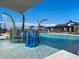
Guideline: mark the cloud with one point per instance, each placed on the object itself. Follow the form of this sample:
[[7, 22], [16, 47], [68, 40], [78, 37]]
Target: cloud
[[32, 24]]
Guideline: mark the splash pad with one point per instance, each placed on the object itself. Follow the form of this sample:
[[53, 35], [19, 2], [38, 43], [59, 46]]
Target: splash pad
[[21, 6]]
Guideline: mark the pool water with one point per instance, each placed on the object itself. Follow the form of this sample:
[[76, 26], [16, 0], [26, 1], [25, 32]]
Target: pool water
[[61, 36], [49, 44], [59, 41]]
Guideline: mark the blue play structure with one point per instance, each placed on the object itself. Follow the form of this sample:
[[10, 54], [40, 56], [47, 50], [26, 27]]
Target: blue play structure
[[32, 38]]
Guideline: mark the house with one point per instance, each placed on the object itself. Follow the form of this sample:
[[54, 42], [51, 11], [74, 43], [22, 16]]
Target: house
[[59, 28], [69, 27]]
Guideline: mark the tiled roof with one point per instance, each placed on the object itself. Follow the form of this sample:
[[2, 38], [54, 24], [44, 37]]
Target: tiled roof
[[61, 25]]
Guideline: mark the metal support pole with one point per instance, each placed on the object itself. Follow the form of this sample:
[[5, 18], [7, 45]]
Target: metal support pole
[[76, 28], [23, 29]]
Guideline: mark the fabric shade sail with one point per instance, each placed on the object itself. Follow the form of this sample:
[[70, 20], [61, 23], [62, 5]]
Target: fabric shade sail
[[18, 5]]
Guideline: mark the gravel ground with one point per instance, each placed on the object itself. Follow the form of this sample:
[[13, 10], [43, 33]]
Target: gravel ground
[[10, 50]]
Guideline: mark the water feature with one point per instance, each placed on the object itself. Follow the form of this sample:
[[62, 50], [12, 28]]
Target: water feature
[[32, 39]]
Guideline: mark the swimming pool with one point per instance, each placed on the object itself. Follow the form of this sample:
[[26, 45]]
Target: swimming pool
[[59, 41], [63, 36]]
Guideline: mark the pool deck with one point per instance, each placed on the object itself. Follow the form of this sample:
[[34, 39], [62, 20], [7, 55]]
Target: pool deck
[[62, 55], [10, 50]]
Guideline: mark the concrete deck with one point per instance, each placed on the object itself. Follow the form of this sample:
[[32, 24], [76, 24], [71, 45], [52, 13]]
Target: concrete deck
[[9, 50], [62, 55]]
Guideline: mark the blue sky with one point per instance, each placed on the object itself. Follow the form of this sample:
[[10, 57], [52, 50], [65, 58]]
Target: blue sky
[[56, 11]]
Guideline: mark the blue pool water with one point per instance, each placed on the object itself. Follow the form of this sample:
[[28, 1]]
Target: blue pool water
[[59, 41], [63, 36]]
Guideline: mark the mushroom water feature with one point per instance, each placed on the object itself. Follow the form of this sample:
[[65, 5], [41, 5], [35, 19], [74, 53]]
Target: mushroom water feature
[[29, 37]]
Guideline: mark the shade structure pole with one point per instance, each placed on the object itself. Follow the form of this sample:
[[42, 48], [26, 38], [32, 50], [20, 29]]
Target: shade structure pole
[[76, 28], [23, 29]]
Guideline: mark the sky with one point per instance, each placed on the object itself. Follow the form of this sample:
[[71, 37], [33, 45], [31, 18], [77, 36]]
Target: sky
[[56, 11]]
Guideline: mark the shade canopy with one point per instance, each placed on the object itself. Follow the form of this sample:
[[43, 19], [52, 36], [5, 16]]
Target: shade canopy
[[18, 5]]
